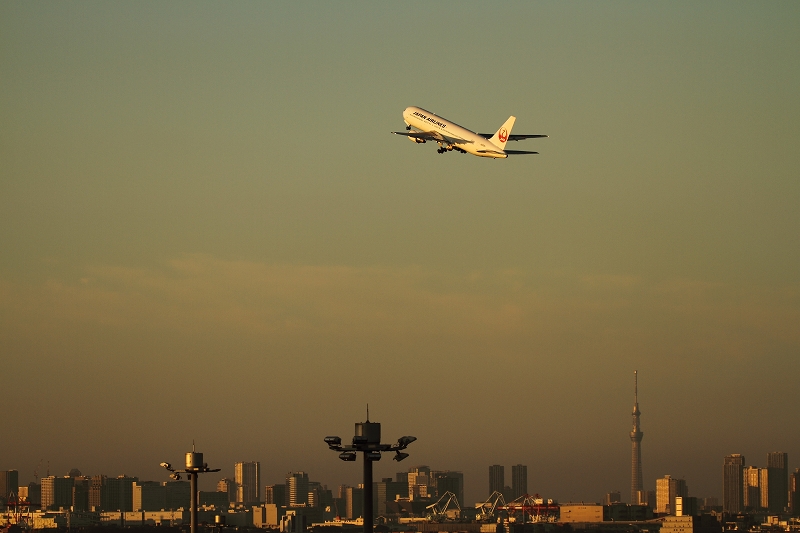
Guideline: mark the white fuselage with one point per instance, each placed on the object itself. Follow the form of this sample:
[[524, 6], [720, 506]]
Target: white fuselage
[[454, 136]]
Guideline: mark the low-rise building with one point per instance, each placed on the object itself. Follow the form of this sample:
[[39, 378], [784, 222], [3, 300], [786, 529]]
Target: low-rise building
[[622, 512], [216, 499], [266, 516], [581, 512], [691, 524]]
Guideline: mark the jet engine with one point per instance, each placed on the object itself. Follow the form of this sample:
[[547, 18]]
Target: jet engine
[[416, 140]]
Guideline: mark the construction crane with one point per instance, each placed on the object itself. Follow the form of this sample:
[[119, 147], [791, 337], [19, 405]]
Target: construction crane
[[529, 508], [440, 511], [19, 511], [487, 509], [36, 470]]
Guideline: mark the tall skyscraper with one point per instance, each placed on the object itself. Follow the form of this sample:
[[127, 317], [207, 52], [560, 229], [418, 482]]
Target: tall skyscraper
[[34, 493], [387, 490], [497, 478], [228, 486], [98, 493], [733, 484], [354, 498], [319, 495], [57, 492], [667, 489], [120, 493], [519, 481], [296, 489], [419, 482], [794, 492], [763, 476], [753, 477], [275, 494], [777, 481], [636, 445], [9, 482], [448, 481], [248, 481], [80, 493]]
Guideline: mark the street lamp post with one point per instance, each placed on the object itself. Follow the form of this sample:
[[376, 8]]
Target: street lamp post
[[367, 440], [194, 466]]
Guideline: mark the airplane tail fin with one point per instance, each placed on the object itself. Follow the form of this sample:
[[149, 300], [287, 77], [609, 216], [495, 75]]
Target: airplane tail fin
[[501, 137]]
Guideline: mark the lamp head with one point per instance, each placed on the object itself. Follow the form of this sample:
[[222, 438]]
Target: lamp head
[[403, 442], [333, 441]]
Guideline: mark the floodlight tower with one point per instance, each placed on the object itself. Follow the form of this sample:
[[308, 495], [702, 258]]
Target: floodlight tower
[[194, 466], [367, 440]]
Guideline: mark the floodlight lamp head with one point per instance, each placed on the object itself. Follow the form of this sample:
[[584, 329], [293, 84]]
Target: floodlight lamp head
[[333, 441], [403, 442], [166, 465], [347, 456], [359, 439], [176, 477], [374, 455], [399, 456]]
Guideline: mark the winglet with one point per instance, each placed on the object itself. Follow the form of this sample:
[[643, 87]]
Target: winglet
[[501, 137]]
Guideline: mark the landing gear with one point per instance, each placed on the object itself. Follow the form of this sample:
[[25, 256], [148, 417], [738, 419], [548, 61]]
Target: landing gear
[[408, 127], [441, 150]]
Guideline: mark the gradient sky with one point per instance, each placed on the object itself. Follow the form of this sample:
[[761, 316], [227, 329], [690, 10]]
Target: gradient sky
[[208, 233]]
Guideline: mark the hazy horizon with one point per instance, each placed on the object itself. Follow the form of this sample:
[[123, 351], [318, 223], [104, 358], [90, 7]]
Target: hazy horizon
[[209, 233]]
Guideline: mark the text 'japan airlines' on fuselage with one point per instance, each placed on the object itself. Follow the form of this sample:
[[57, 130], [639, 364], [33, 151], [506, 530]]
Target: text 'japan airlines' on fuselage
[[423, 126]]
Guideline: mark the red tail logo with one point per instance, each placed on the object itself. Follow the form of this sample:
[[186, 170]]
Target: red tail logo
[[503, 135]]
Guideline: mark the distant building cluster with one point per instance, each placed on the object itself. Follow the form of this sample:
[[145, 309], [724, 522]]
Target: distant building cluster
[[750, 489], [755, 491], [431, 501], [97, 493], [419, 494], [123, 498]]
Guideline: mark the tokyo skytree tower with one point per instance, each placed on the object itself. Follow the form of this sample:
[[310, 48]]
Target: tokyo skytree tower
[[636, 445]]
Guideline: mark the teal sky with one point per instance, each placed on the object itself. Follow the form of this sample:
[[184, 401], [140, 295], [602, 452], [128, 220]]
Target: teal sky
[[208, 232]]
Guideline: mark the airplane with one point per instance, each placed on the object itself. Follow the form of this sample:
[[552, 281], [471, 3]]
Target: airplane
[[428, 126]]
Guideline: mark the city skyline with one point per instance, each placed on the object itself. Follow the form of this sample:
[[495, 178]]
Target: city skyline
[[743, 487], [80, 501], [773, 460], [209, 233], [671, 497]]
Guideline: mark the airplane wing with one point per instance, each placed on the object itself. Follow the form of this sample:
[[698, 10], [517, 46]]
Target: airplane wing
[[518, 152], [424, 135], [513, 137]]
